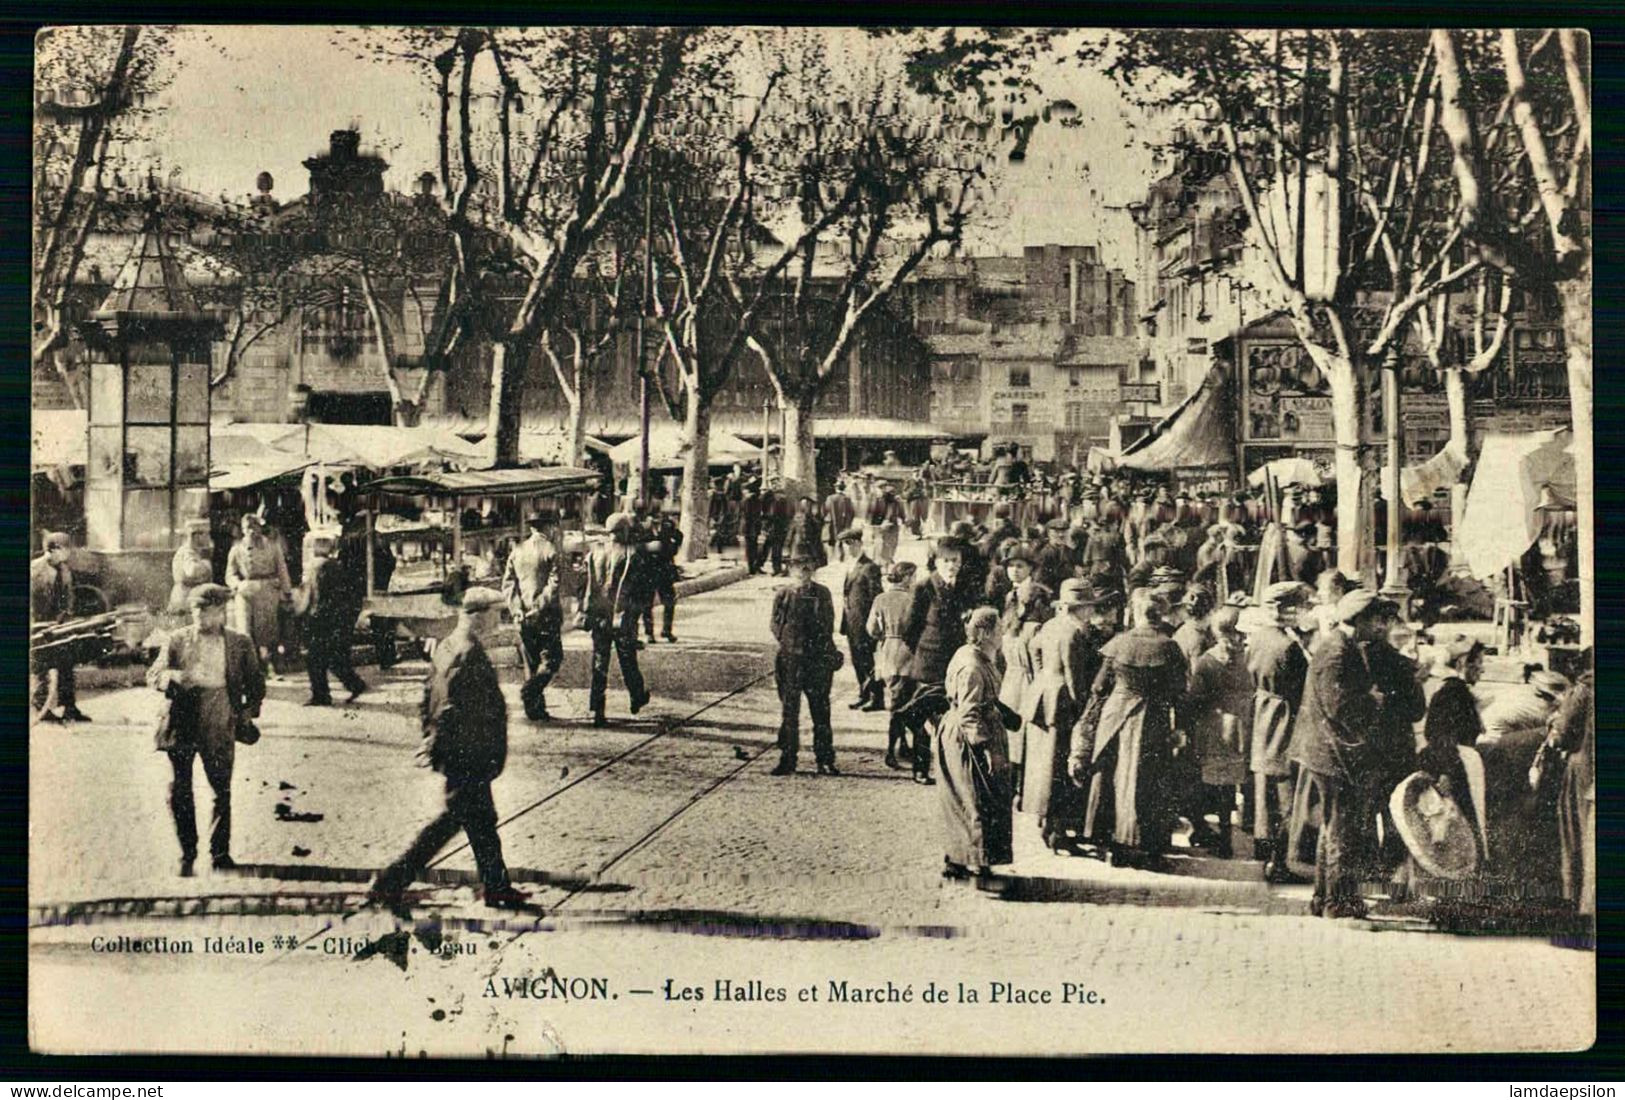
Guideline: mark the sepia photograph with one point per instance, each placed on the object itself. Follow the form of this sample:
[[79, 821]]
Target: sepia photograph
[[755, 540]]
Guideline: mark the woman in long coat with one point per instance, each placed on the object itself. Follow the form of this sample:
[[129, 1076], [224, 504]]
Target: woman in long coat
[[1027, 607], [1065, 659], [192, 566], [1129, 756], [973, 758], [257, 574]]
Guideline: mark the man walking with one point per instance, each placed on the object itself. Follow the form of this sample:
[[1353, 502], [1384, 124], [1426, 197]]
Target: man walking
[[530, 582], [750, 514], [804, 626], [50, 591], [858, 594], [934, 632], [213, 685], [617, 588], [663, 543], [329, 618], [465, 739]]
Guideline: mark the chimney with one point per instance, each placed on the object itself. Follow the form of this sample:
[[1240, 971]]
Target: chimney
[[1072, 284], [344, 144]]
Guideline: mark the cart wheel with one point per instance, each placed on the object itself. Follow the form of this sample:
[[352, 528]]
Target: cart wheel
[[90, 600]]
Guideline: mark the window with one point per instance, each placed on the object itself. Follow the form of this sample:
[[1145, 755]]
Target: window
[[1021, 377], [1074, 414], [1074, 377], [1018, 418]]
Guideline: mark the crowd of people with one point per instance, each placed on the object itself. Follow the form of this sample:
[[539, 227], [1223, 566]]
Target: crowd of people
[[1101, 676], [1101, 685]]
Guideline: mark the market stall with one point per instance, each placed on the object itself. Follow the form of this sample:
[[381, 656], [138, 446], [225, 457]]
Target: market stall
[[1519, 533], [429, 536]]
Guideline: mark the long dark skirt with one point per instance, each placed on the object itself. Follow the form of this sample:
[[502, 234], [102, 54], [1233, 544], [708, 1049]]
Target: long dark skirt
[[975, 798], [1131, 797], [1046, 791]]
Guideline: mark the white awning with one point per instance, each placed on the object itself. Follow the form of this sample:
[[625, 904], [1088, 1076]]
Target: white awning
[[1503, 517]]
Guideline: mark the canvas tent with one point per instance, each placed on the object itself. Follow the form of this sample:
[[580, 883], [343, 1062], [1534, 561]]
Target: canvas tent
[[1200, 432], [1503, 516], [372, 446], [668, 449]]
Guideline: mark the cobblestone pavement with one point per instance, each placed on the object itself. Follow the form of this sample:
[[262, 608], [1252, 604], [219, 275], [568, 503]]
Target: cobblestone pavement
[[684, 859]]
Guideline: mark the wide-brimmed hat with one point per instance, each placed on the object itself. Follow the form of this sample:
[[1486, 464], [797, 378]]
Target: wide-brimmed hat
[[1549, 684], [1435, 831], [480, 598], [1253, 620], [1076, 593], [1018, 551], [952, 544], [1286, 593], [1363, 603], [209, 595]]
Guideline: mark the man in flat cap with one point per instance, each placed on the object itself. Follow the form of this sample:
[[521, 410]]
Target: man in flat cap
[[213, 684], [858, 594], [329, 619], [1359, 702], [618, 587], [50, 592], [804, 625], [530, 581], [465, 739]]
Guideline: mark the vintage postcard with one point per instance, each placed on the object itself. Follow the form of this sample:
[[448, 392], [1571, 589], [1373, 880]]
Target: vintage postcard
[[601, 540]]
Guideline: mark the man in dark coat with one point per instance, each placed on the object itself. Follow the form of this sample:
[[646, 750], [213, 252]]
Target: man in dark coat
[[862, 587], [465, 739], [973, 567], [805, 537], [776, 524], [804, 626], [934, 632], [329, 619], [213, 683], [839, 511], [1105, 558], [618, 587], [530, 581], [1353, 701], [50, 596], [750, 515], [663, 543], [1056, 560], [1574, 731], [1004, 531]]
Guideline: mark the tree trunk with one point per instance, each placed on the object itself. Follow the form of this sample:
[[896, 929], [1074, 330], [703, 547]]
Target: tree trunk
[[1461, 441], [1356, 531], [575, 429], [408, 414], [800, 461], [507, 398], [695, 521], [1576, 297]]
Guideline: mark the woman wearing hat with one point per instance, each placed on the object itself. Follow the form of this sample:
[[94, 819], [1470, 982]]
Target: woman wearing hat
[[1524, 846], [1450, 730], [192, 565], [973, 758], [1127, 753], [1065, 657], [888, 615], [257, 574]]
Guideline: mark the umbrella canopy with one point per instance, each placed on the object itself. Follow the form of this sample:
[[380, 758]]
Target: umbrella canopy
[[1503, 517], [1287, 471], [373, 446], [668, 449]]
